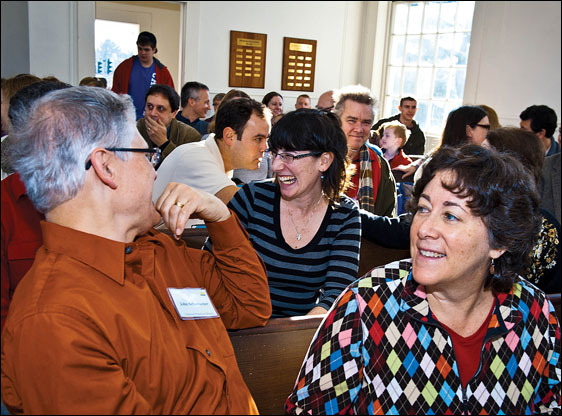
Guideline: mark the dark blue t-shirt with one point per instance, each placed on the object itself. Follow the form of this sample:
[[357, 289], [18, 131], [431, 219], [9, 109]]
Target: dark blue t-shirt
[[140, 81], [200, 125]]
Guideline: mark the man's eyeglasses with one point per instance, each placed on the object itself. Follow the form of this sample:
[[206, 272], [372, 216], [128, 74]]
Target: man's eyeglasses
[[484, 126], [153, 155], [288, 158]]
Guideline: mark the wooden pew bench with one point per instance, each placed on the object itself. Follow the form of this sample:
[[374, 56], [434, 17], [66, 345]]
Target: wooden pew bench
[[373, 255], [270, 358]]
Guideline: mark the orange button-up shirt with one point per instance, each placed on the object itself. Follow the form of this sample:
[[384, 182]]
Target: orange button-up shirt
[[92, 329]]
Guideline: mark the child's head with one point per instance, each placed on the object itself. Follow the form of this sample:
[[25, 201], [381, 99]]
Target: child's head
[[393, 135]]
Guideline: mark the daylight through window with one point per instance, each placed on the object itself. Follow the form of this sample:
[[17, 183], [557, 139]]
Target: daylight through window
[[427, 59], [115, 42]]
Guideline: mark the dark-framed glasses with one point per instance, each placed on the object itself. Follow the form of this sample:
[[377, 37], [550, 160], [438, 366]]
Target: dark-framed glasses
[[153, 155], [484, 126], [289, 158]]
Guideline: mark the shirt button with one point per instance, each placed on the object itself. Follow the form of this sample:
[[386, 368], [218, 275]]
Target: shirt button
[[208, 352], [128, 250]]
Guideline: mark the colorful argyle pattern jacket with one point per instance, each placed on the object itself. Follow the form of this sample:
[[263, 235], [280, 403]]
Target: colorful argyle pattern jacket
[[379, 351]]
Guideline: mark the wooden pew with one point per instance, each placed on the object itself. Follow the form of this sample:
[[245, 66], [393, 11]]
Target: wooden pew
[[373, 255], [194, 237], [270, 358]]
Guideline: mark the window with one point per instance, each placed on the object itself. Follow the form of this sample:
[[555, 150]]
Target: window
[[427, 59], [115, 42]]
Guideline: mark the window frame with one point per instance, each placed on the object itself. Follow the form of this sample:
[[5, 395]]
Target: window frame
[[389, 101]]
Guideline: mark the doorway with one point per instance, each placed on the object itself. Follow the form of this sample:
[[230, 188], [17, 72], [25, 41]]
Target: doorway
[[118, 24]]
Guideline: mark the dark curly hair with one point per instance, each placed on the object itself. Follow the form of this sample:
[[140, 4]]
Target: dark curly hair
[[542, 117], [501, 191], [523, 144], [316, 131], [167, 92], [236, 113]]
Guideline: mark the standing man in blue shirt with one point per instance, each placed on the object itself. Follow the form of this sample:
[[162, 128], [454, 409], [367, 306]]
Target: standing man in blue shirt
[[134, 76], [195, 104]]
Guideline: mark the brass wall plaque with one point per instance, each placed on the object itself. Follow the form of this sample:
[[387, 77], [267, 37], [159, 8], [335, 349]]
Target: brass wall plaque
[[247, 59], [299, 64]]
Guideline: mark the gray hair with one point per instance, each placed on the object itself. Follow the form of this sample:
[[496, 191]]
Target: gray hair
[[357, 93], [64, 128], [191, 89]]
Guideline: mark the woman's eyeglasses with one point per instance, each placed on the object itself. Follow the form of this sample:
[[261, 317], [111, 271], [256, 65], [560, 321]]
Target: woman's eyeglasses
[[484, 126], [289, 158]]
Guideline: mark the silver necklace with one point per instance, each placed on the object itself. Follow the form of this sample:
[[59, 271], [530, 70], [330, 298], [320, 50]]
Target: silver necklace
[[299, 233]]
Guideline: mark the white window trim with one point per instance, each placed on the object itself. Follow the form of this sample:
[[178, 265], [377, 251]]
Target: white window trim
[[384, 20]]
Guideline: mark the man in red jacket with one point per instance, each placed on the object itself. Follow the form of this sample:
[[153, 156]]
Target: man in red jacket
[[136, 75]]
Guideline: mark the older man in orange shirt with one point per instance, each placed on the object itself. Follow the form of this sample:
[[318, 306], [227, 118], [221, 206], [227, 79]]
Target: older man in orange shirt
[[115, 317]]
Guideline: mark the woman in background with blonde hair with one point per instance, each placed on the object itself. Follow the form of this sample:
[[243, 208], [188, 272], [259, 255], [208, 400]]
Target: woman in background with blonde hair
[[492, 116]]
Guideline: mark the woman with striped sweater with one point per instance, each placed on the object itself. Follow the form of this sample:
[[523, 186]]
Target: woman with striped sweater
[[306, 231]]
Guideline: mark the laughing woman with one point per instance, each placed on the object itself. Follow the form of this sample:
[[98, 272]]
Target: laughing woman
[[303, 227], [454, 329]]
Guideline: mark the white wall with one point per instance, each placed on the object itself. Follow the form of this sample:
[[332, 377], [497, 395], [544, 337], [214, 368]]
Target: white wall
[[15, 28], [61, 39], [515, 56], [333, 24]]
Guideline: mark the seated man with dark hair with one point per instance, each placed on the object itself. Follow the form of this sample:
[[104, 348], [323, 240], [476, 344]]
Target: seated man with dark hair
[[159, 127], [541, 120], [240, 138], [115, 317], [195, 104]]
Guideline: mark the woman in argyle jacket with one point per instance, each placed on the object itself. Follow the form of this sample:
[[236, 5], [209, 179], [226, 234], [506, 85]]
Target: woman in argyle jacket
[[454, 329]]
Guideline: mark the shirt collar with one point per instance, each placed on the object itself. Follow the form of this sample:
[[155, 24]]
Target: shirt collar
[[211, 144], [106, 256]]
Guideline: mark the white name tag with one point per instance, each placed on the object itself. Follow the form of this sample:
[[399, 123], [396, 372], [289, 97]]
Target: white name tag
[[192, 303]]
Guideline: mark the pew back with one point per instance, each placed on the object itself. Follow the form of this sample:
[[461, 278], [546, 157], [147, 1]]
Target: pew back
[[270, 358], [372, 255]]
